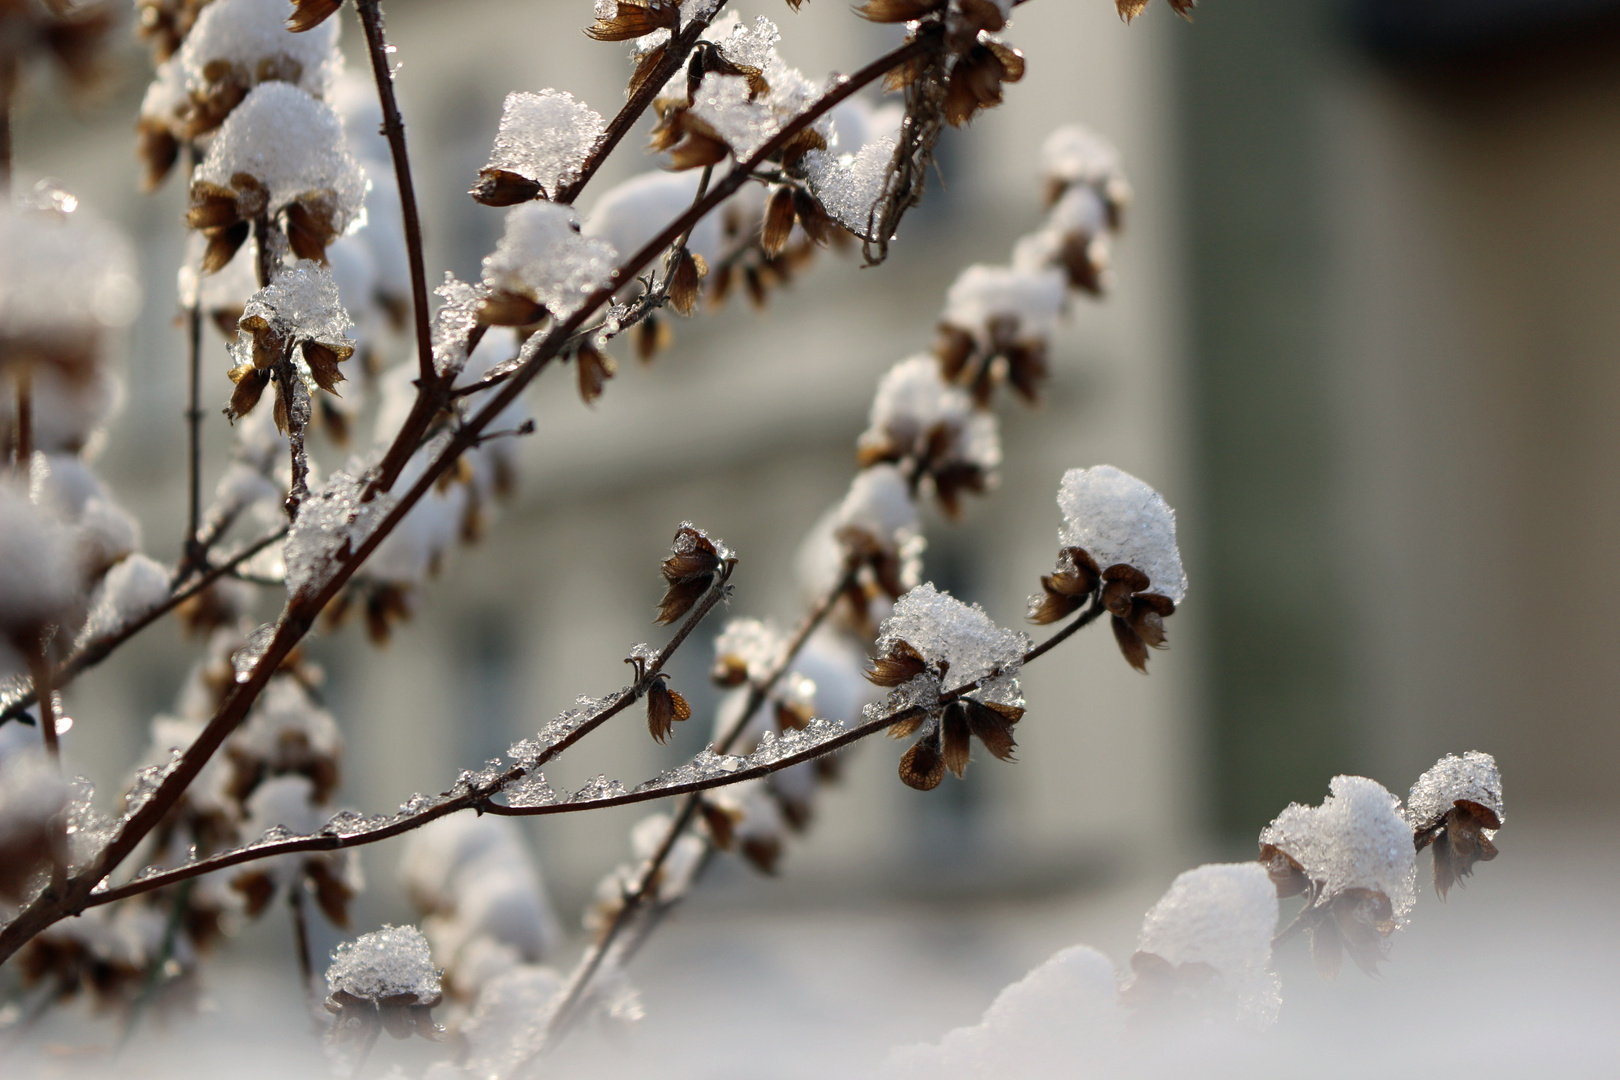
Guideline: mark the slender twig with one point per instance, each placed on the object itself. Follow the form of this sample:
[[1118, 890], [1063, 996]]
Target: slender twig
[[298, 617], [474, 797], [630, 904], [394, 129], [306, 969], [193, 553], [481, 797], [96, 650], [675, 53]]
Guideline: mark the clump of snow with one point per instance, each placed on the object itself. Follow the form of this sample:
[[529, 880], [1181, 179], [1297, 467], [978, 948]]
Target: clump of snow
[[392, 961], [1059, 1015], [1073, 154], [294, 145], [630, 214], [252, 37], [1357, 839], [481, 895], [943, 629], [1117, 519], [453, 324], [60, 279], [542, 256], [39, 578], [31, 792], [880, 506], [1473, 777], [332, 522], [984, 298], [1223, 915], [753, 644], [913, 403], [130, 589], [850, 186], [301, 304], [545, 137]]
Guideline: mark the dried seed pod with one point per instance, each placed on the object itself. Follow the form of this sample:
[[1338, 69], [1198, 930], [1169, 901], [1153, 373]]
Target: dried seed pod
[[636, 18], [955, 738], [922, 767], [689, 573], [898, 11], [991, 723], [685, 281], [778, 223], [902, 664], [250, 383], [308, 14], [594, 369], [665, 708], [1285, 872], [500, 187], [323, 361], [1131, 646]]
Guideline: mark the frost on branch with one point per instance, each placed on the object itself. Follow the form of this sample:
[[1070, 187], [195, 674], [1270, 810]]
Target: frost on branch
[[280, 151], [934, 642], [1354, 861], [1205, 948], [1455, 809], [1060, 1014], [931, 429], [1119, 537], [541, 266], [332, 522], [388, 978], [542, 142]]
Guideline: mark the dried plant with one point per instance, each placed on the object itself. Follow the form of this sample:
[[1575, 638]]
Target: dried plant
[[764, 167]]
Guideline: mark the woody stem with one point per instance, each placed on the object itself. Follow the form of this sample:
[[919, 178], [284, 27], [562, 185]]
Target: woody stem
[[394, 129]]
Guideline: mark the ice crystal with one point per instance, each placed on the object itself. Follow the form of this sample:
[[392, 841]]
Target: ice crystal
[[393, 960], [943, 629], [531, 790], [1117, 518], [597, 789], [245, 659], [542, 256], [1473, 777], [545, 137], [1357, 839], [332, 522], [851, 186], [454, 322], [1223, 915], [293, 145]]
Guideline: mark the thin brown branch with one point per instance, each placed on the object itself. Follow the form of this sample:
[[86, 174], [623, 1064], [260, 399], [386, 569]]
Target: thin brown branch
[[39, 663], [96, 650], [675, 54], [481, 797], [193, 553], [297, 619], [562, 1016], [394, 129]]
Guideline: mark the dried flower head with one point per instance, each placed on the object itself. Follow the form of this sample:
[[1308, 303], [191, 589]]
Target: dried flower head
[[385, 979], [665, 708], [695, 564], [1130, 9], [932, 431], [1455, 809]]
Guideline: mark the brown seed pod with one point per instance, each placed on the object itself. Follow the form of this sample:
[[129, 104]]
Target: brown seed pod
[[665, 708], [500, 187], [922, 767], [636, 18], [901, 665]]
